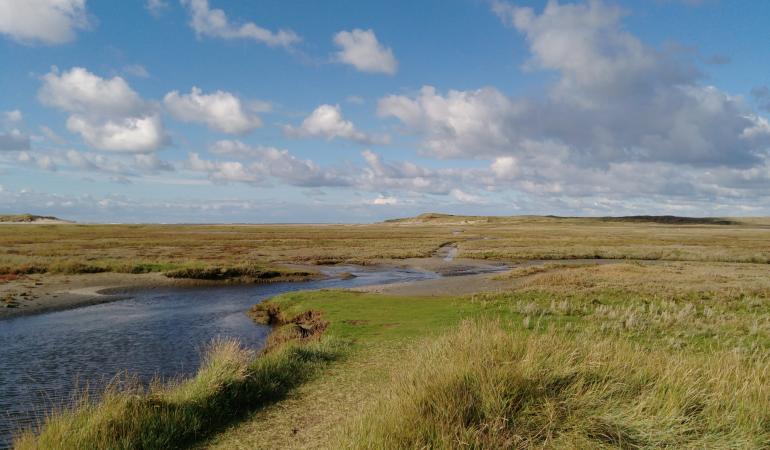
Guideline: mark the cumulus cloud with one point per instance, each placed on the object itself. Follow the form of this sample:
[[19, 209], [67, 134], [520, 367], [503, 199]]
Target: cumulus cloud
[[214, 23], [220, 110], [327, 122], [360, 49], [228, 171], [44, 21], [615, 100], [129, 134], [80, 91], [459, 123], [107, 113]]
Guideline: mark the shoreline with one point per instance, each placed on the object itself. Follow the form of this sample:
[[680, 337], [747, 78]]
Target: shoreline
[[43, 293]]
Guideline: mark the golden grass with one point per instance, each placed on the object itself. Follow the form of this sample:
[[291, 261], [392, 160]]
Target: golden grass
[[151, 248], [484, 387]]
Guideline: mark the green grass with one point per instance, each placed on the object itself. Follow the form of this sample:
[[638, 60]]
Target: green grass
[[367, 319]]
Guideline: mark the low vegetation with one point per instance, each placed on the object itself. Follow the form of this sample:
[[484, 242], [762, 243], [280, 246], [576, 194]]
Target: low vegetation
[[72, 249], [666, 347]]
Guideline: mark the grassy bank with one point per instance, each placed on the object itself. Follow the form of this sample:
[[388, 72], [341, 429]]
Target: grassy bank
[[620, 356], [230, 384]]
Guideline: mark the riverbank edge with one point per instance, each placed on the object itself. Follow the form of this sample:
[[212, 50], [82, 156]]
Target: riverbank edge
[[61, 293]]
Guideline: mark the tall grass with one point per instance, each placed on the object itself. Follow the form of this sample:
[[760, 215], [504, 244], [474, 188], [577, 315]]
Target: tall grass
[[483, 387], [230, 383]]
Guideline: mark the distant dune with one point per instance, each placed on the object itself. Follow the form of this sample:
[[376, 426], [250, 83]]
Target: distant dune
[[30, 219], [437, 218]]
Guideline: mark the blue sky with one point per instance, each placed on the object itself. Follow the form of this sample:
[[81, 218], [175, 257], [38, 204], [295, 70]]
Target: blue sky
[[349, 111]]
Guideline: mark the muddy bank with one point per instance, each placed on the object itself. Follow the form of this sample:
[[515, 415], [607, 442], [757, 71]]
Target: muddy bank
[[486, 279], [40, 293]]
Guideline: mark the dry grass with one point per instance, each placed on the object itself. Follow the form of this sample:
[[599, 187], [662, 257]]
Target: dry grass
[[158, 248], [484, 387]]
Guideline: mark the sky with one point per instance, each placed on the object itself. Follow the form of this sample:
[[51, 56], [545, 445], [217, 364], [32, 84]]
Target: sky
[[348, 111]]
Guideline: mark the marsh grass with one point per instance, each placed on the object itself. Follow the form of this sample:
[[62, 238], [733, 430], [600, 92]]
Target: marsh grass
[[71, 249], [483, 386], [230, 383]]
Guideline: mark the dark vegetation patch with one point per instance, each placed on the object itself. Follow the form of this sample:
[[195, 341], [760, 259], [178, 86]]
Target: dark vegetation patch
[[672, 220], [245, 273], [303, 327]]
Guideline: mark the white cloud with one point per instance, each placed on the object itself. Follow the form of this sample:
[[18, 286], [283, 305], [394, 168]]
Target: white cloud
[[456, 124], [615, 100], [214, 23], [505, 167], [80, 91], [107, 113], [360, 49], [130, 134], [44, 21], [383, 200], [327, 122], [226, 172], [220, 110]]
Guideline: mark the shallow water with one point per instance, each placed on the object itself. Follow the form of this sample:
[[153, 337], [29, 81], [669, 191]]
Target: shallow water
[[46, 358]]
